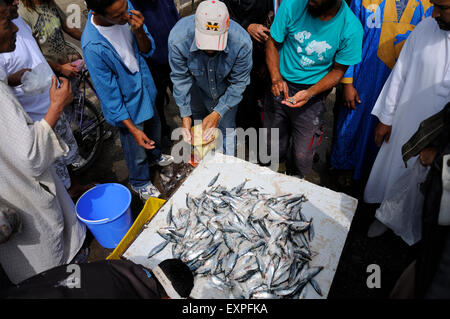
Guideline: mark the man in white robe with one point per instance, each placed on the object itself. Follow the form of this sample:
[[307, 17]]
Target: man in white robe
[[418, 87], [51, 235]]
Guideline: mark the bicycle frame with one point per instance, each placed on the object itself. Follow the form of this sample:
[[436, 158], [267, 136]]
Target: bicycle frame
[[89, 126]]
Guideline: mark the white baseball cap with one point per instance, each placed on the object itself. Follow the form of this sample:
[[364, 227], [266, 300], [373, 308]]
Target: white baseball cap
[[212, 21]]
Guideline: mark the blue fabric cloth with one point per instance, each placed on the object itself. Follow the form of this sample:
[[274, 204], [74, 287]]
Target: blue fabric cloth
[[123, 95], [160, 17], [221, 79], [310, 45], [384, 36]]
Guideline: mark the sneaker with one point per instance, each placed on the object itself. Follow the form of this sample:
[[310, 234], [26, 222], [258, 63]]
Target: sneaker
[[147, 191], [165, 160], [376, 229]]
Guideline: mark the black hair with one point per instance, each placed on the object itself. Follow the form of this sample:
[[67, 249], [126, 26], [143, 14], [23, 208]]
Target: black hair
[[179, 274], [99, 6]]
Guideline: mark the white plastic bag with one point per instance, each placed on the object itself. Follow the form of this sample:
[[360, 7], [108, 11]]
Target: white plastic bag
[[402, 211], [38, 81]]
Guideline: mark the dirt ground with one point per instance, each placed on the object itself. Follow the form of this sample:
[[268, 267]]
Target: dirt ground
[[387, 251]]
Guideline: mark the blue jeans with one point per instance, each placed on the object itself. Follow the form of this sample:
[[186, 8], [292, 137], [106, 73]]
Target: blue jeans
[[138, 158], [227, 124]]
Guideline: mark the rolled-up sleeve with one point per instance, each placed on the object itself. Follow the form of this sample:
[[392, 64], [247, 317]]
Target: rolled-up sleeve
[[239, 79], [149, 54], [106, 86]]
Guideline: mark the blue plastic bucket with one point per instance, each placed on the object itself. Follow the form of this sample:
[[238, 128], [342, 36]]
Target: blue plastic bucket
[[106, 211]]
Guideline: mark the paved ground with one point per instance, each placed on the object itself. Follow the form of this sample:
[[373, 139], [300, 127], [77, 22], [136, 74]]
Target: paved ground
[[388, 251]]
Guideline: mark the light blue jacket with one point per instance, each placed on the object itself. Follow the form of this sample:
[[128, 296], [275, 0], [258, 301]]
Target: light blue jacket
[[123, 95], [222, 79]]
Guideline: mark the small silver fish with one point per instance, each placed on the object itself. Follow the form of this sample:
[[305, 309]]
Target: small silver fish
[[316, 286], [214, 180], [158, 248], [247, 275], [264, 295], [169, 216]]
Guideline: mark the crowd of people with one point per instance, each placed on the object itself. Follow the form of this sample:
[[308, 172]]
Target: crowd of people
[[250, 64]]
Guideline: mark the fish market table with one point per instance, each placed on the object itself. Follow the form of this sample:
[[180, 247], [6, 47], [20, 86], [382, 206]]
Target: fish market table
[[332, 214]]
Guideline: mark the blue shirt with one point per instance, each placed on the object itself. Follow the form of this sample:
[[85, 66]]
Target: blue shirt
[[160, 17], [123, 95], [222, 79], [310, 46]]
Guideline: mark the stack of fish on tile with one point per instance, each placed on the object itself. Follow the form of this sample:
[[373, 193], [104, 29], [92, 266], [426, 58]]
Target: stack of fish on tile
[[249, 244]]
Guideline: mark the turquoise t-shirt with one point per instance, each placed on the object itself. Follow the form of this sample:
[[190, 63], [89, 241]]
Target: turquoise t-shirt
[[311, 46]]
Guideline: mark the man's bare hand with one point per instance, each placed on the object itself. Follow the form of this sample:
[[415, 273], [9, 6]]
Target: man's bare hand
[[427, 156], [186, 129], [279, 86], [382, 133], [59, 99], [15, 79], [136, 21], [143, 140], [62, 96], [258, 32], [68, 70], [299, 99], [351, 96], [209, 125]]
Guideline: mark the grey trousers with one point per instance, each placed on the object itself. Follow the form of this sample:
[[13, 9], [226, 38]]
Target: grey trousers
[[299, 128]]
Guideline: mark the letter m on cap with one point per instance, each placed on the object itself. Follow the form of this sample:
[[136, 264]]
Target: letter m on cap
[[210, 26]]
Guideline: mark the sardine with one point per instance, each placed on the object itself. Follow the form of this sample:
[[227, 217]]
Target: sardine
[[231, 262], [244, 240], [247, 275], [238, 189], [158, 248], [264, 295], [211, 251], [214, 180], [316, 286]]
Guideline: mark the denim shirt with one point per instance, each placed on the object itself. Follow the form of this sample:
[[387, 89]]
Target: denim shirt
[[123, 95], [222, 79]]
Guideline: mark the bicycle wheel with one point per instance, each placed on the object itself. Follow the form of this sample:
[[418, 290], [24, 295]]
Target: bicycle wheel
[[87, 127]]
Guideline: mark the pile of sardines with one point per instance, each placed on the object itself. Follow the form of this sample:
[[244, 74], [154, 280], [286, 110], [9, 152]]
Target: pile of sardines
[[249, 244]]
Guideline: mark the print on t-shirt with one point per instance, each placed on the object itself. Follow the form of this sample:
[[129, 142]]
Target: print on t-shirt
[[314, 49]]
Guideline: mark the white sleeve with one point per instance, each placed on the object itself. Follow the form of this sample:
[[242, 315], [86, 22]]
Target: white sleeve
[[388, 100], [32, 147]]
